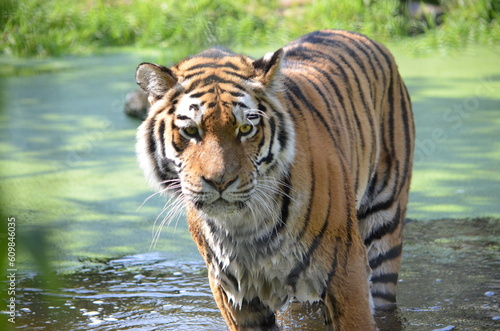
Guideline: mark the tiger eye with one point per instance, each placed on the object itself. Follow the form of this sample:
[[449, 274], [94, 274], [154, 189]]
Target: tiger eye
[[191, 130], [246, 128]]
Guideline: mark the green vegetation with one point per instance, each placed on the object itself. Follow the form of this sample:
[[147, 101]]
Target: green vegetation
[[57, 27]]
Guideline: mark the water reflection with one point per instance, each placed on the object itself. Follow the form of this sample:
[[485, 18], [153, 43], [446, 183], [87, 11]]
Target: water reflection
[[139, 292]]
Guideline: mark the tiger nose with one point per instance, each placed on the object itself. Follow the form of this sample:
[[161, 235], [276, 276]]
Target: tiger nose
[[220, 184]]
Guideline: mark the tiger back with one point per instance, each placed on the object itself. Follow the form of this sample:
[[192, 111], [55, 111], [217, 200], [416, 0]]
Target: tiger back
[[294, 170]]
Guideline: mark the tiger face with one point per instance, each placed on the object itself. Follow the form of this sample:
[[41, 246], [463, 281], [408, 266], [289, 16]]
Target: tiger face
[[221, 145]]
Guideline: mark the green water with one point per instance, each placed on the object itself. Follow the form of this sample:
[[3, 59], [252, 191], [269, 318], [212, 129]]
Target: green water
[[456, 101], [68, 164], [68, 176]]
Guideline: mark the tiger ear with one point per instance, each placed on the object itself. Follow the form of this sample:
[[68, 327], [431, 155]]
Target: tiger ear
[[268, 67], [155, 80]]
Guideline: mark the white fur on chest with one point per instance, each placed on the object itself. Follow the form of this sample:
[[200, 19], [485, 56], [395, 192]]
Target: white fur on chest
[[246, 272]]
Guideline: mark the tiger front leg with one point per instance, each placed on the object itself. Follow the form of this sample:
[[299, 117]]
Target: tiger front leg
[[249, 316], [347, 301]]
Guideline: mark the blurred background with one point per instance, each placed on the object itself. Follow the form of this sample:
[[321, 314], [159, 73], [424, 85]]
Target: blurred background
[[52, 27], [85, 218]]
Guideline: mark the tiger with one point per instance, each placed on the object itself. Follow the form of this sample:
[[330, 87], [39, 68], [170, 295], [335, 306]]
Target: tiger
[[294, 172]]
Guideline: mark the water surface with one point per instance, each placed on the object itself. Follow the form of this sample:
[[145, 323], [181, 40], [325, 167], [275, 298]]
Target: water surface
[[449, 280]]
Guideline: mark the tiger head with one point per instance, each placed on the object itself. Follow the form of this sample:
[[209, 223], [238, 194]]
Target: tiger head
[[217, 135]]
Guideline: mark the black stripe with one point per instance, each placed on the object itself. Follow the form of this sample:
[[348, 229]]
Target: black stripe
[[384, 54], [385, 229], [369, 50], [161, 140], [387, 203], [393, 253], [353, 54], [358, 44], [386, 296], [213, 65], [333, 268], [283, 131], [270, 156], [211, 256], [369, 193], [338, 95], [318, 53], [294, 88], [240, 104], [261, 107], [293, 276], [406, 109], [182, 117], [372, 45], [387, 175], [368, 57], [197, 95], [235, 94], [151, 137], [330, 109], [385, 278], [177, 91], [283, 136], [232, 73], [361, 95], [262, 140], [349, 206], [166, 171], [312, 190], [176, 147], [268, 242], [392, 125], [285, 205], [335, 43], [194, 74], [152, 149], [212, 79]]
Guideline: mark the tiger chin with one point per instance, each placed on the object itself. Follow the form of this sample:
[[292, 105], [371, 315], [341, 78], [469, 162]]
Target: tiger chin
[[294, 170]]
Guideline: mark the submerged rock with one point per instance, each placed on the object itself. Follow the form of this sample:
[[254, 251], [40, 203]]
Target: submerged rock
[[136, 104]]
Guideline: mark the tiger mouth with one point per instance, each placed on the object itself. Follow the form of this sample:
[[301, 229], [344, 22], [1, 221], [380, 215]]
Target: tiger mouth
[[221, 205]]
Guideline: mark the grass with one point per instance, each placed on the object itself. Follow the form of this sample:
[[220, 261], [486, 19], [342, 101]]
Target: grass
[[38, 28]]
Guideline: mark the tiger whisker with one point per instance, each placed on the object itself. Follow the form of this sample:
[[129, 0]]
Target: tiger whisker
[[256, 112], [149, 198], [262, 197], [175, 212], [166, 189], [165, 208], [270, 185]]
